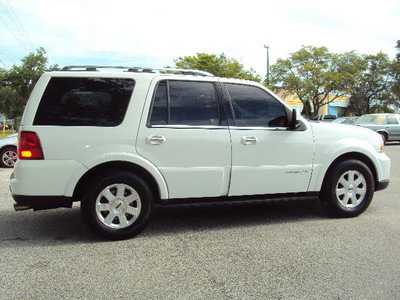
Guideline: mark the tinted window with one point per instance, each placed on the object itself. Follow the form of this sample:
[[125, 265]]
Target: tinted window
[[159, 114], [71, 101], [254, 107], [185, 103], [330, 117]]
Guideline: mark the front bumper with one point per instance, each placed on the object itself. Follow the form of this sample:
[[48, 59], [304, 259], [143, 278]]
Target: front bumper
[[381, 185]]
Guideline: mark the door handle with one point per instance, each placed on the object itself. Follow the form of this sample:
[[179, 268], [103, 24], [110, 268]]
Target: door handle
[[155, 140], [248, 140]]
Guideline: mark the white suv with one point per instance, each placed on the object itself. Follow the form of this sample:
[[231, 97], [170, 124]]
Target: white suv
[[122, 142]]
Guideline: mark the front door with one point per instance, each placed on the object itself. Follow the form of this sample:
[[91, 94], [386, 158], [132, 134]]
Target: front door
[[267, 158]]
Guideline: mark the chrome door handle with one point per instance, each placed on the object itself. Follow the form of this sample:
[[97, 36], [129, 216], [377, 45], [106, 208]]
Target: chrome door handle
[[248, 140], [155, 140]]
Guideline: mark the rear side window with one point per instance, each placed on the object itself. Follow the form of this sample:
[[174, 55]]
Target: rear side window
[[391, 120], [71, 101], [185, 103]]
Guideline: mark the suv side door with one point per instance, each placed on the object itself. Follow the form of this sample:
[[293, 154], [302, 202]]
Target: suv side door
[[183, 134], [267, 158]]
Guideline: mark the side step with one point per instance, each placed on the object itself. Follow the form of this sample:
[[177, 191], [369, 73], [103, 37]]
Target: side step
[[239, 200]]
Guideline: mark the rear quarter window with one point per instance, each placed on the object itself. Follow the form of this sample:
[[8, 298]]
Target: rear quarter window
[[72, 101]]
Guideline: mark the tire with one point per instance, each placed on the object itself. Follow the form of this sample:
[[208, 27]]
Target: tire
[[384, 137], [117, 205], [348, 189], [8, 157]]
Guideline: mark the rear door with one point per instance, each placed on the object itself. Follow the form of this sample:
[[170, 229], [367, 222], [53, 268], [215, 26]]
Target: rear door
[[392, 126], [184, 136]]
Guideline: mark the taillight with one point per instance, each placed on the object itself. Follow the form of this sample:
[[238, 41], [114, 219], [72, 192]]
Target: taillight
[[29, 146]]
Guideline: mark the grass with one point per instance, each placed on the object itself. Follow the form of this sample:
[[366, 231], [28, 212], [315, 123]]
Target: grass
[[6, 133]]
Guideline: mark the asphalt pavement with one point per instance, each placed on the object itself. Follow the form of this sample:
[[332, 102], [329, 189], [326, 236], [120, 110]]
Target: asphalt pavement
[[268, 251]]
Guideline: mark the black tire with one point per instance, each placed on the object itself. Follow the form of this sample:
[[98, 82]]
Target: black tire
[[117, 205], [348, 189], [384, 137], [8, 157]]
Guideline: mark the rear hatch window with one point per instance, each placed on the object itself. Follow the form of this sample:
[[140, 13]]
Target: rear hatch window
[[72, 101]]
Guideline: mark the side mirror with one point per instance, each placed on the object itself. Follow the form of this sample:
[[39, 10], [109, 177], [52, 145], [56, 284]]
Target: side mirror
[[294, 123]]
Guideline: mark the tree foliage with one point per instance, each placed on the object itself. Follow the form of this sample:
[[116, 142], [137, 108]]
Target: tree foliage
[[370, 87], [396, 75], [220, 66], [311, 74], [318, 77], [17, 83]]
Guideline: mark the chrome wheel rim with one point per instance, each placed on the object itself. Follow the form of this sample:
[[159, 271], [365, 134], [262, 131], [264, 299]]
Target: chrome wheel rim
[[118, 206], [9, 158], [351, 189]]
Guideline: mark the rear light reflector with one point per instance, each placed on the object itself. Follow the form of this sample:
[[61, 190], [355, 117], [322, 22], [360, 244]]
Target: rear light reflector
[[29, 146]]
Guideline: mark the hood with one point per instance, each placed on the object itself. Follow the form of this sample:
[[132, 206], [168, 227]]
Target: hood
[[329, 132]]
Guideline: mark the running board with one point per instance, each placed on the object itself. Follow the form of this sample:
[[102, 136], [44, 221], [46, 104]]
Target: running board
[[239, 200]]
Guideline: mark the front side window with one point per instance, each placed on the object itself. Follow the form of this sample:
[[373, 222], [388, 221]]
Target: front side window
[[72, 101], [367, 119], [254, 107], [185, 103]]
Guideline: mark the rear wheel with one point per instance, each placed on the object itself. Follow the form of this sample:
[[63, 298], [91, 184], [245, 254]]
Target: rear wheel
[[117, 205], [8, 157], [348, 189]]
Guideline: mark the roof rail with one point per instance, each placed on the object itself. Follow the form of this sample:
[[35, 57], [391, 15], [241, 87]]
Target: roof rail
[[137, 69]]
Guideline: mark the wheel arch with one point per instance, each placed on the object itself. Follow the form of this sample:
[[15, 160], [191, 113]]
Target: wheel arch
[[117, 166], [8, 146], [383, 132], [349, 156]]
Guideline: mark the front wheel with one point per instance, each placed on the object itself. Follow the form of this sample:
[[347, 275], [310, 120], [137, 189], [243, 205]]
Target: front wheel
[[348, 189], [383, 136], [117, 205]]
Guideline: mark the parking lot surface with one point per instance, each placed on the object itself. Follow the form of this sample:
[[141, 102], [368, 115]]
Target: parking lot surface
[[269, 251]]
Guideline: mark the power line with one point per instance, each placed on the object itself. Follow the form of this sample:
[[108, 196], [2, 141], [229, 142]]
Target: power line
[[20, 25], [7, 57], [12, 32], [20, 29]]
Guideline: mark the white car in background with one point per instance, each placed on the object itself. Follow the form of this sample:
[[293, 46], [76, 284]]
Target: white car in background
[[8, 151]]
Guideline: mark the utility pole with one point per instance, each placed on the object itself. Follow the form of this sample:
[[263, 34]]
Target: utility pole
[[267, 47]]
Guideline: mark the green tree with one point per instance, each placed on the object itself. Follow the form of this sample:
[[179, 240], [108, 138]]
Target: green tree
[[17, 83], [311, 74], [370, 87], [396, 75], [220, 66]]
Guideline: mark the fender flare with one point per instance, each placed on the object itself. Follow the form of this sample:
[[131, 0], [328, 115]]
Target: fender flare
[[129, 159]]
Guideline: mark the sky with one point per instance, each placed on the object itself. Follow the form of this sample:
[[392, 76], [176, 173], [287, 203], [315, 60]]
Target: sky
[[152, 33]]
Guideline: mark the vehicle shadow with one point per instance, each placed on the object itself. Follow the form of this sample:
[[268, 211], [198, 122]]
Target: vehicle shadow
[[67, 226], [177, 220], [391, 144]]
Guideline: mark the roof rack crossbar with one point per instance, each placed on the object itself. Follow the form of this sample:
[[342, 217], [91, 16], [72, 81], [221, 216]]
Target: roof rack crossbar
[[136, 69]]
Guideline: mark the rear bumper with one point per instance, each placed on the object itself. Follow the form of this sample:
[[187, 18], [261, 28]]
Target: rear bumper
[[24, 202], [40, 202]]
